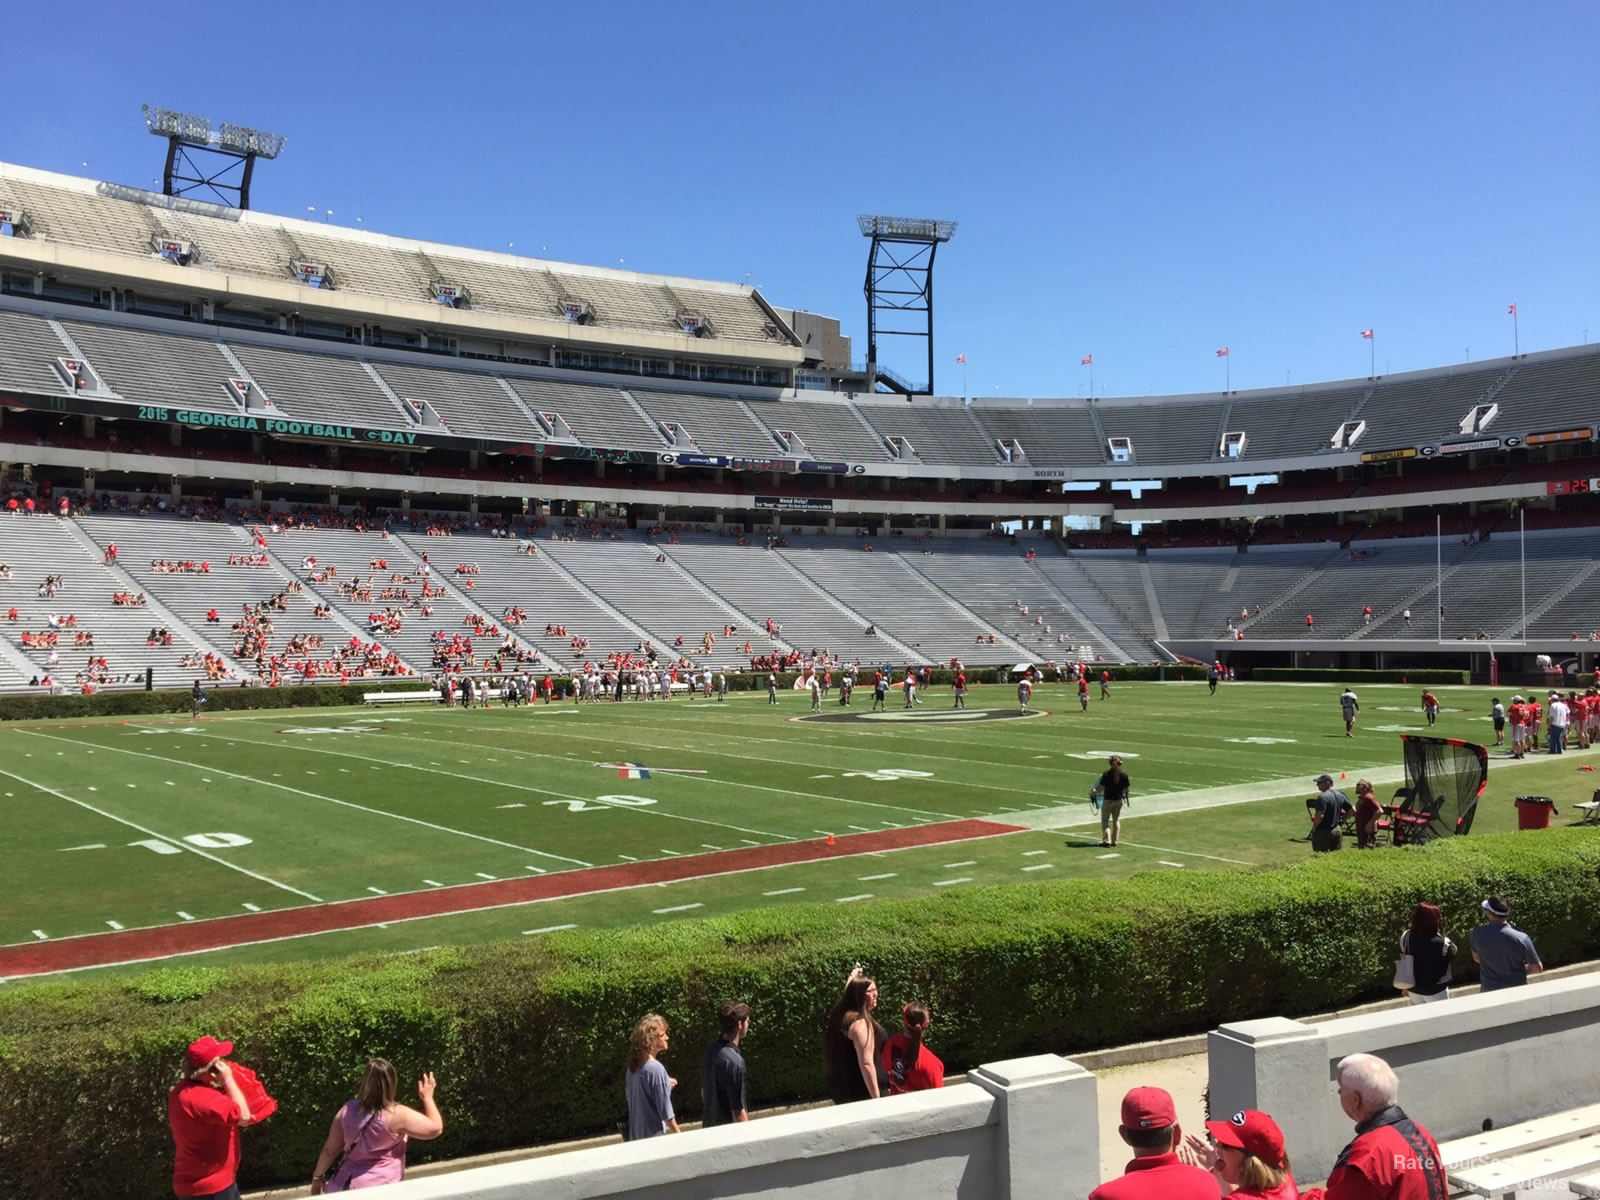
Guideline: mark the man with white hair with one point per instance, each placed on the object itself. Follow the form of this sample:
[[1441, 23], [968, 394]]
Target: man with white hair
[[1392, 1157]]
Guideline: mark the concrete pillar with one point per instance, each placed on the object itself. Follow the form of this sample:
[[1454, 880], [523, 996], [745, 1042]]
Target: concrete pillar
[[472, 506], [1046, 1103], [661, 516], [833, 483], [177, 492], [719, 518], [883, 527], [941, 520], [661, 472], [473, 459], [599, 468], [333, 497], [1281, 1067], [88, 480], [88, 427], [255, 493], [174, 435], [405, 502], [942, 482], [833, 525]]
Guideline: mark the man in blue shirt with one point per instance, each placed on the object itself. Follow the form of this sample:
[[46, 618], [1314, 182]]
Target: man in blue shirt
[[1327, 812], [723, 1082], [1504, 954]]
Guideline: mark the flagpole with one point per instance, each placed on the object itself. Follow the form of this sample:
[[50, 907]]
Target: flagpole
[[1091, 377], [1227, 373], [1372, 355], [965, 394], [1516, 334]]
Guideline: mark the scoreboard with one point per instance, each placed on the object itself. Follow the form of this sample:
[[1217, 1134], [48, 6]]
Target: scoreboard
[[1572, 487]]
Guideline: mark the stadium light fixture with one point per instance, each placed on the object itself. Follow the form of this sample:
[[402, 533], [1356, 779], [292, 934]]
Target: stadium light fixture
[[190, 136], [899, 288]]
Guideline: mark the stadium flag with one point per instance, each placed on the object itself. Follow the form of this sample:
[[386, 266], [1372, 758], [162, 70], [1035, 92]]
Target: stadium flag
[[961, 358], [1086, 361], [1223, 353], [1367, 333], [1372, 353], [1512, 311]]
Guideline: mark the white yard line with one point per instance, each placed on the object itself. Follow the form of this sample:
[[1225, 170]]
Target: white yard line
[[1164, 850], [378, 812], [521, 787], [148, 832]]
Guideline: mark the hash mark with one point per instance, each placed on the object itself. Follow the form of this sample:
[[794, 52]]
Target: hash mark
[[548, 929], [676, 908], [1040, 867], [253, 907], [951, 882], [852, 899], [783, 891]]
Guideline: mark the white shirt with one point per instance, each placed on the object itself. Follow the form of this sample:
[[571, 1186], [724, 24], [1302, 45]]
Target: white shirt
[[1560, 714]]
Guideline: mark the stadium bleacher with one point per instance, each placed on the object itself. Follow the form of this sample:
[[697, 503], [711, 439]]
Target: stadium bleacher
[[1061, 433], [943, 435], [28, 350]]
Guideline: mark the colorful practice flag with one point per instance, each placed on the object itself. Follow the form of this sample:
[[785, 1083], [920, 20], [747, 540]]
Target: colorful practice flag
[[1367, 333], [629, 770], [1512, 311], [1223, 353], [961, 358], [1086, 360]]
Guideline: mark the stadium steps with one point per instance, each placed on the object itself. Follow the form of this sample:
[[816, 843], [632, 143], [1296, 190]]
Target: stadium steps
[[644, 416], [1118, 642], [467, 601], [16, 668], [170, 620], [1585, 614], [60, 331], [46, 545], [995, 595], [283, 574], [1107, 603], [867, 425], [599, 601], [962, 609], [1157, 618], [1416, 595], [743, 620], [1306, 580], [800, 577]]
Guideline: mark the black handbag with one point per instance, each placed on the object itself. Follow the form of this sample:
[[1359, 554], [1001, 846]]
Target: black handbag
[[338, 1159]]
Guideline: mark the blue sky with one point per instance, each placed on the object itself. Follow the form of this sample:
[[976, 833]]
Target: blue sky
[[1143, 182]]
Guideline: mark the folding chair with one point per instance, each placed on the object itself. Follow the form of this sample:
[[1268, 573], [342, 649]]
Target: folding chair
[[1591, 809]]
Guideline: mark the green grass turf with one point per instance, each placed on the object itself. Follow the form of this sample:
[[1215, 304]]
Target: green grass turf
[[424, 797]]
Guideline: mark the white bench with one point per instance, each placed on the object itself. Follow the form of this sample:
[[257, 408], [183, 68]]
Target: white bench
[[375, 698], [1502, 1161], [1587, 1186], [1591, 809]]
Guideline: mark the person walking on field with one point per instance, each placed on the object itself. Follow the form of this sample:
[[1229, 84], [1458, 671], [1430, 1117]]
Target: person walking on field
[[1112, 792], [1349, 706], [961, 689], [772, 688], [1105, 685], [373, 1130]]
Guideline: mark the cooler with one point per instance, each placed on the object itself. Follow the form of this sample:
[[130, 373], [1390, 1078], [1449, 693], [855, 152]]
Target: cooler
[[1533, 812]]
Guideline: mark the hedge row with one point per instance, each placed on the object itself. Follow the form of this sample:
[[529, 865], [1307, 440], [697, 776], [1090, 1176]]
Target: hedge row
[[219, 698], [1431, 676], [529, 1038]]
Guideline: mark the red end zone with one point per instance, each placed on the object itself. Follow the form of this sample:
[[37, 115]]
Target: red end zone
[[140, 945]]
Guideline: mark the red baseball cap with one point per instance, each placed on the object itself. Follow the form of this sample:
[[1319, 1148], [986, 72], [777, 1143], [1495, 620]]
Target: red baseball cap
[[1253, 1132], [207, 1049], [1148, 1108]]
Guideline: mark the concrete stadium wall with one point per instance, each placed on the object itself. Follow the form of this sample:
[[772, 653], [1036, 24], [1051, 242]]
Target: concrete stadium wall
[[1506, 1056], [1019, 1129]]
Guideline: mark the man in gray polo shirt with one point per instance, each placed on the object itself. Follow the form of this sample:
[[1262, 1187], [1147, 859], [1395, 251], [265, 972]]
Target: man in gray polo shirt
[[1504, 954], [1327, 811]]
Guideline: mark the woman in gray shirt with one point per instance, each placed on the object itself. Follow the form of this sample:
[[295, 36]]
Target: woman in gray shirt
[[648, 1086]]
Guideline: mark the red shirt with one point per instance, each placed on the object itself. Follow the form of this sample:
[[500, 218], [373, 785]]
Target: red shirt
[[205, 1129], [927, 1072], [1517, 713], [961, 679], [1159, 1177], [1396, 1161]]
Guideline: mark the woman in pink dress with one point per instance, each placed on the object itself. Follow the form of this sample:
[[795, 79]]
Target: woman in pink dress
[[372, 1130]]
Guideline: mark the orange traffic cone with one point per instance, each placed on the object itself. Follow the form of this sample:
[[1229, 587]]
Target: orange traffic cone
[[830, 840]]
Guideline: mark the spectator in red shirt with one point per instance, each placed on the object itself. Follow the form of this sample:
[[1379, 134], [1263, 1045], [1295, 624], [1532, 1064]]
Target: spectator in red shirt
[[1150, 1127], [1368, 810], [206, 1111], [910, 1065], [1392, 1157]]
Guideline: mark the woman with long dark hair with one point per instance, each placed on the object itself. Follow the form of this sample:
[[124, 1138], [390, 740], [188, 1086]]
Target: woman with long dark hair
[[1430, 952], [851, 1043], [372, 1131], [910, 1065]]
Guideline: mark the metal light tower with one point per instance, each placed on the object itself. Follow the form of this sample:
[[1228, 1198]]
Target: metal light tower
[[200, 157], [899, 286]]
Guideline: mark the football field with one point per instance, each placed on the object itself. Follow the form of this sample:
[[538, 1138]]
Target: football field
[[307, 833]]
